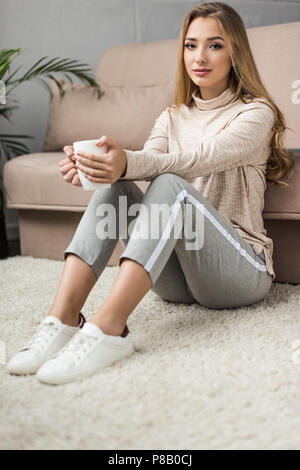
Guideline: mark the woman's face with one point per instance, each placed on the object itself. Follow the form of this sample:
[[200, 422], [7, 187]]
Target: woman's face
[[202, 52]]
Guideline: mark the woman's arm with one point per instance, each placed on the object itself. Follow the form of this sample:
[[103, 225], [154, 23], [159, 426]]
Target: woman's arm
[[237, 145]]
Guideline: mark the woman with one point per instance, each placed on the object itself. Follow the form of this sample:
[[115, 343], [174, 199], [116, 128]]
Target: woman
[[212, 150]]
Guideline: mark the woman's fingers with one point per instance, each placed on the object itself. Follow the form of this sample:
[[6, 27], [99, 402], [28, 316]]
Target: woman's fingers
[[69, 151], [92, 168], [93, 173], [76, 180], [99, 162], [69, 171], [66, 166], [68, 177], [65, 161], [71, 175]]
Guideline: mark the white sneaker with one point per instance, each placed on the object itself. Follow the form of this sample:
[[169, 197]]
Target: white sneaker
[[51, 335], [88, 351]]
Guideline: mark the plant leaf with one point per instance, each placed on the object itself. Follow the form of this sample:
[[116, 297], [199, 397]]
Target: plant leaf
[[7, 80], [6, 57]]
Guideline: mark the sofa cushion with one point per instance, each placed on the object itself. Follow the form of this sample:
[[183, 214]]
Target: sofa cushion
[[273, 46], [34, 181], [282, 202], [142, 64], [126, 114]]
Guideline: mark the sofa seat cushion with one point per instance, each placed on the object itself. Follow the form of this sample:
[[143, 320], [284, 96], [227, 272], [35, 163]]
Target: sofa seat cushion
[[34, 181]]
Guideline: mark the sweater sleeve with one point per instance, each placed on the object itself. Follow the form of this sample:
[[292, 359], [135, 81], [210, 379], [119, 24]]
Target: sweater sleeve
[[236, 145]]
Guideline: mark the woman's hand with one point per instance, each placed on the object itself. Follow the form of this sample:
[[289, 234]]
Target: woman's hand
[[105, 168], [68, 168]]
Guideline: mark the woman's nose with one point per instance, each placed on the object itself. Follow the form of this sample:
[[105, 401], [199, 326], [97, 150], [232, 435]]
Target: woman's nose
[[200, 54]]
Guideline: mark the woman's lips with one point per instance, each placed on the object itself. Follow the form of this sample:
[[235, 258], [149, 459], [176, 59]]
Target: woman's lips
[[201, 73]]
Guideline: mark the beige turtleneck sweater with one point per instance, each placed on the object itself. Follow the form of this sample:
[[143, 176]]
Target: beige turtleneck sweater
[[221, 147]]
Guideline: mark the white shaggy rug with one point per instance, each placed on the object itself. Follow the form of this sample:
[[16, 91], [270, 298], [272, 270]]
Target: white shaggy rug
[[199, 379]]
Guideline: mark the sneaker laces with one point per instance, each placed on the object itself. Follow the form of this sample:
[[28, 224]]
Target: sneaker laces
[[75, 350], [41, 337]]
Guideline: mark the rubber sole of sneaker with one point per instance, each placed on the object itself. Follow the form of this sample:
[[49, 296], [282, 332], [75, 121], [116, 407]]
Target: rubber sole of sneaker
[[77, 376]]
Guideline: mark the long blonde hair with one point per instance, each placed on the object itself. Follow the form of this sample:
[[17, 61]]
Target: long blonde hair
[[244, 80]]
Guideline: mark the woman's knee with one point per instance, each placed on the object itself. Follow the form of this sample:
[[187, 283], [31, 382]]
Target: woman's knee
[[110, 195], [120, 186], [165, 179]]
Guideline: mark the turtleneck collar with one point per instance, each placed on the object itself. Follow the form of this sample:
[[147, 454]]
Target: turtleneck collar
[[227, 96]]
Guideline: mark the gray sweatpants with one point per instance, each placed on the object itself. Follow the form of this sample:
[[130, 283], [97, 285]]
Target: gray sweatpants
[[218, 270]]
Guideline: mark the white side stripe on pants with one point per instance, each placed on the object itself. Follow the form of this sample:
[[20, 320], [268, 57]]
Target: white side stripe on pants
[[167, 231]]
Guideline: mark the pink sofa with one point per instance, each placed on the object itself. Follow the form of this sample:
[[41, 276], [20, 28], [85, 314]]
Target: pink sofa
[[50, 209]]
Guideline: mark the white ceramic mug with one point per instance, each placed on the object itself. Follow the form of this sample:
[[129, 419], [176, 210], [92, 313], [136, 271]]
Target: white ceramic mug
[[89, 146]]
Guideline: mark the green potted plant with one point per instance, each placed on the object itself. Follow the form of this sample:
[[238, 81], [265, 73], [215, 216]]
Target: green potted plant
[[11, 145]]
